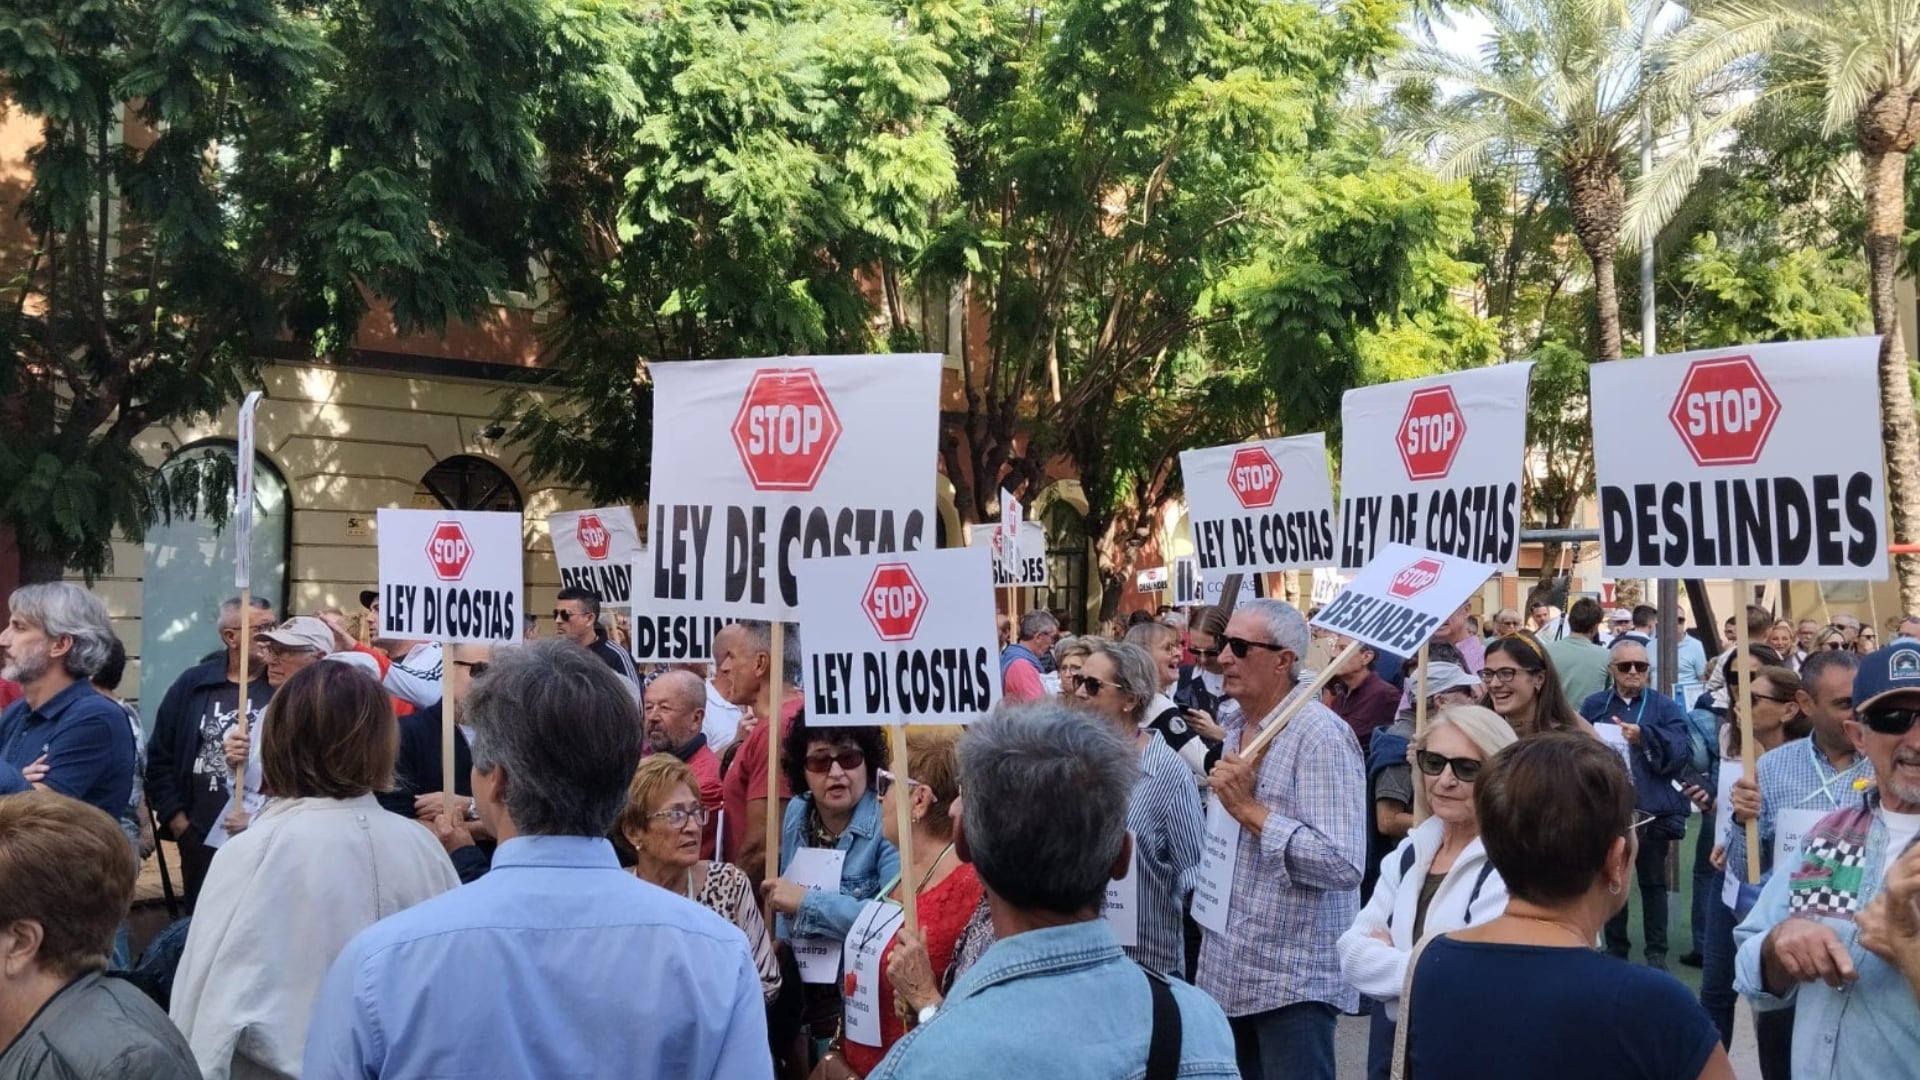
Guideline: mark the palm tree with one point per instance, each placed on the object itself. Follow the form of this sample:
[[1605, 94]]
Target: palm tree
[[1556, 87], [1861, 59]]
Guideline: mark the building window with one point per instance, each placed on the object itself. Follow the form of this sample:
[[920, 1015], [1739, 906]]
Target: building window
[[1066, 567], [466, 482]]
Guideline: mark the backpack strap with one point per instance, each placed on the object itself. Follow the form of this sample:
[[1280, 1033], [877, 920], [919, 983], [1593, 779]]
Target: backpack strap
[[1486, 871], [1163, 1046], [1407, 855]]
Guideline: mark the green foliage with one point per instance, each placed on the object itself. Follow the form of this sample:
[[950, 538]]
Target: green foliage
[[1763, 292]]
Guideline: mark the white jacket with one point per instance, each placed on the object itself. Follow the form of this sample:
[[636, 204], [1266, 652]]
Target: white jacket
[[279, 903], [1471, 894]]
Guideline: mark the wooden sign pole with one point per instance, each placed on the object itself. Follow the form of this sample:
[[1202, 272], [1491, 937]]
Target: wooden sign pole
[[1743, 707], [1252, 751], [1421, 811], [776, 663], [449, 730], [903, 803]]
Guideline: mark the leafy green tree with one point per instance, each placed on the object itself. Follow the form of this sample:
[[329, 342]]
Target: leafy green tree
[[215, 173]]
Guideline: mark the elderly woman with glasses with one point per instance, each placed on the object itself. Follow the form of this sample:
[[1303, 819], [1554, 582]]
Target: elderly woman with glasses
[[1437, 880], [663, 822], [1557, 820]]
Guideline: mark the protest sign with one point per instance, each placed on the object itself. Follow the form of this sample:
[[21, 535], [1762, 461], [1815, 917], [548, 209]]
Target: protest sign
[[450, 575], [1220, 850], [595, 550], [899, 638], [1021, 565], [671, 639], [759, 464], [1260, 506], [1400, 598], [1436, 463], [1012, 513], [873, 930], [1191, 587], [1122, 908], [1151, 580], [817, 868], [1755, 461]]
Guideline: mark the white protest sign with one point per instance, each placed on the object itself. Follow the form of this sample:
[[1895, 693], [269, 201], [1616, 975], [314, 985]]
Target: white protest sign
[[1724, 832], [1151, 580], [1213, 887], [816, 868], [672, 639], [1260, 506], [1122, 908], [1191, 587], [1327, 584], [760, 464], [595, 550], [1754, 461], [1436, 463], [873, 929], [1021, 565], [1790, 829], [450, 575], [243, 495], [1613, 736], [907, 639], [1011, 514], [1400, 598]]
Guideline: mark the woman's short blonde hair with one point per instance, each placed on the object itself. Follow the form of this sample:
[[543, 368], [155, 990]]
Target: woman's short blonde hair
[[656, 776], [1486, 729]]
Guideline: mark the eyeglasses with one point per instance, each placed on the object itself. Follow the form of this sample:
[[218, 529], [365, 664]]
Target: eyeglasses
[[677, 817], [1091, 686], [1641, 819], [1886, 721], [273, 649], [1834, 646], [1632, 667], [1207, 654], [564, 616], [1465, 769], [849, 759], [475, 668], [883, 783], [1238, 646], [1499, 676]]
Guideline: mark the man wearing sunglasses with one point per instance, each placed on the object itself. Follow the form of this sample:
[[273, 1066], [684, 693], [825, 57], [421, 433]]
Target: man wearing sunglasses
[[1296, 879], [1855, 1016], [1658, 752], [576, 617]]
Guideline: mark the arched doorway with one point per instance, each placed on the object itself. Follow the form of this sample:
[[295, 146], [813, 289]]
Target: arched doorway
[[189, 571], [466, 482], [1066, 565]]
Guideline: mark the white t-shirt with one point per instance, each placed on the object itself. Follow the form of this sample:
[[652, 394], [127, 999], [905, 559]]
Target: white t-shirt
[[1901, 829], [722, 721]]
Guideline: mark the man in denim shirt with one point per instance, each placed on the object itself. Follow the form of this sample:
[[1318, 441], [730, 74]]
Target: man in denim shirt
[[1855, 1014], [1044, 822]]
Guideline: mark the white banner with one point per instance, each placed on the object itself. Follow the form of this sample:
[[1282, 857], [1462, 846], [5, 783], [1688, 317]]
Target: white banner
[[1400, 598], [243, 496], [899, 638], [596, 550], [1011, 514], [759, 464], [1435, 463], [1755, 461], [1151, 580], [1021, 566], [450, 575], [1192, 588], [1260, 506]]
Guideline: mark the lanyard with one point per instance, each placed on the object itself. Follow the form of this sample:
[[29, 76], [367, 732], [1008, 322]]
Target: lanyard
[[1637, 713], [1820, 766]]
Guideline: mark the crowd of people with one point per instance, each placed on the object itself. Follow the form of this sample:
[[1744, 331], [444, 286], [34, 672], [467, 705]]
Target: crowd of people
[[590, 892]]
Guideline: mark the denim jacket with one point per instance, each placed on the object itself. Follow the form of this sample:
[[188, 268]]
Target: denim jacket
[[1096, 1009], [1870, 1029], [871, 862]]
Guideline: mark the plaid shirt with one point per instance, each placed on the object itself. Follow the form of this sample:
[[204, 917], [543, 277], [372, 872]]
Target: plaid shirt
[[1794, 776], [1296, 883]]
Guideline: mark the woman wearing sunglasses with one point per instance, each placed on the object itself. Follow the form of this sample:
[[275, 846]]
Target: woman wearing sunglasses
[[1523, 687], [1558, 822], [663, 822], [1437, 880]]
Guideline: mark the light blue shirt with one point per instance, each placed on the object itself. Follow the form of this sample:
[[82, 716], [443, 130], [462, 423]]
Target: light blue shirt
[[1691, 679], [871, 863], [556, 964], [1062, 1003]]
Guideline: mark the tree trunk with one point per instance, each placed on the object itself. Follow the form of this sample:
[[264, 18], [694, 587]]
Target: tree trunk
[[1596, 196], [1886, 217], [1606, 306]]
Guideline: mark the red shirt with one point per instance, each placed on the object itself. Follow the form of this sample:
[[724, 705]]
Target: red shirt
[[747, 779], [706, 772], [10, 692], [944, 911]]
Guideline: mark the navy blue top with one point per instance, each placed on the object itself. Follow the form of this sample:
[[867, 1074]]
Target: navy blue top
[[86, 741], [1485, 1010]]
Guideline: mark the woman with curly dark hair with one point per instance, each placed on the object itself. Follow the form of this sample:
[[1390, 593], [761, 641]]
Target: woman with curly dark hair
[[831, 770]]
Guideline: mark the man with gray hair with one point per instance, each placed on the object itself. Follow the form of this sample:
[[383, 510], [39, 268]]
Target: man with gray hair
[[743, 654], [1300, 846], [674, 708], [1020, 667], [1044, 822], [63, 735], [565, 964]]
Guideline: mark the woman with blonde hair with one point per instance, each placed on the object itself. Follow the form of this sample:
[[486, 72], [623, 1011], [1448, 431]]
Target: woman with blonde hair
[[1437, 880]]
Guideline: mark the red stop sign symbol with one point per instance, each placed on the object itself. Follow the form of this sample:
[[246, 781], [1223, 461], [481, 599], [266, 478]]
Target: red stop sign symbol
[[785, 430], [1724, 411], [1417, 578], [894, 602], [1431, 433], [593, 536], [1254, 477], [449, 551]]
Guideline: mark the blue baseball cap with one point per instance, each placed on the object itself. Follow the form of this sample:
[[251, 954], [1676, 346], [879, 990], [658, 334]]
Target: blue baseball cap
[[1885, 673]]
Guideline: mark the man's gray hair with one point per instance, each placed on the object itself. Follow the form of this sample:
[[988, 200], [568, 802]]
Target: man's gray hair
[[690, 688], [759, 638], [1045, 813], [1037, 622], [63, 609], [1174, 621], [1284, 624], [565, 728], [1133, 669]]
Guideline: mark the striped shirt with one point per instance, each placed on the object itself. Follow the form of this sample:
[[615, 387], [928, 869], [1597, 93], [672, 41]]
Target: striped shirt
[[1168, 830], [1795, 776], [1296, 883]]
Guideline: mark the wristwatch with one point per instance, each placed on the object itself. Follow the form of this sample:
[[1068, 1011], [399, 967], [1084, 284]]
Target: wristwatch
[[473, 811], [927, 1014]]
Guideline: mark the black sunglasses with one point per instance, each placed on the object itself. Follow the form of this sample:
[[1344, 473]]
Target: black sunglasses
[[1208, 654], [848, 760], [1091, 685], [1238, 646], [1632, 667], [1465, 769], [1889, 721]]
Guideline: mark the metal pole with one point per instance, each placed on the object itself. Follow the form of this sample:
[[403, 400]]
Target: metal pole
[[1667, 599]]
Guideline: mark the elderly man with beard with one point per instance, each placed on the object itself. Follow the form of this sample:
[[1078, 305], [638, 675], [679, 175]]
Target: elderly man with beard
[[1855, 1016], [63, 735], [674, 710]]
